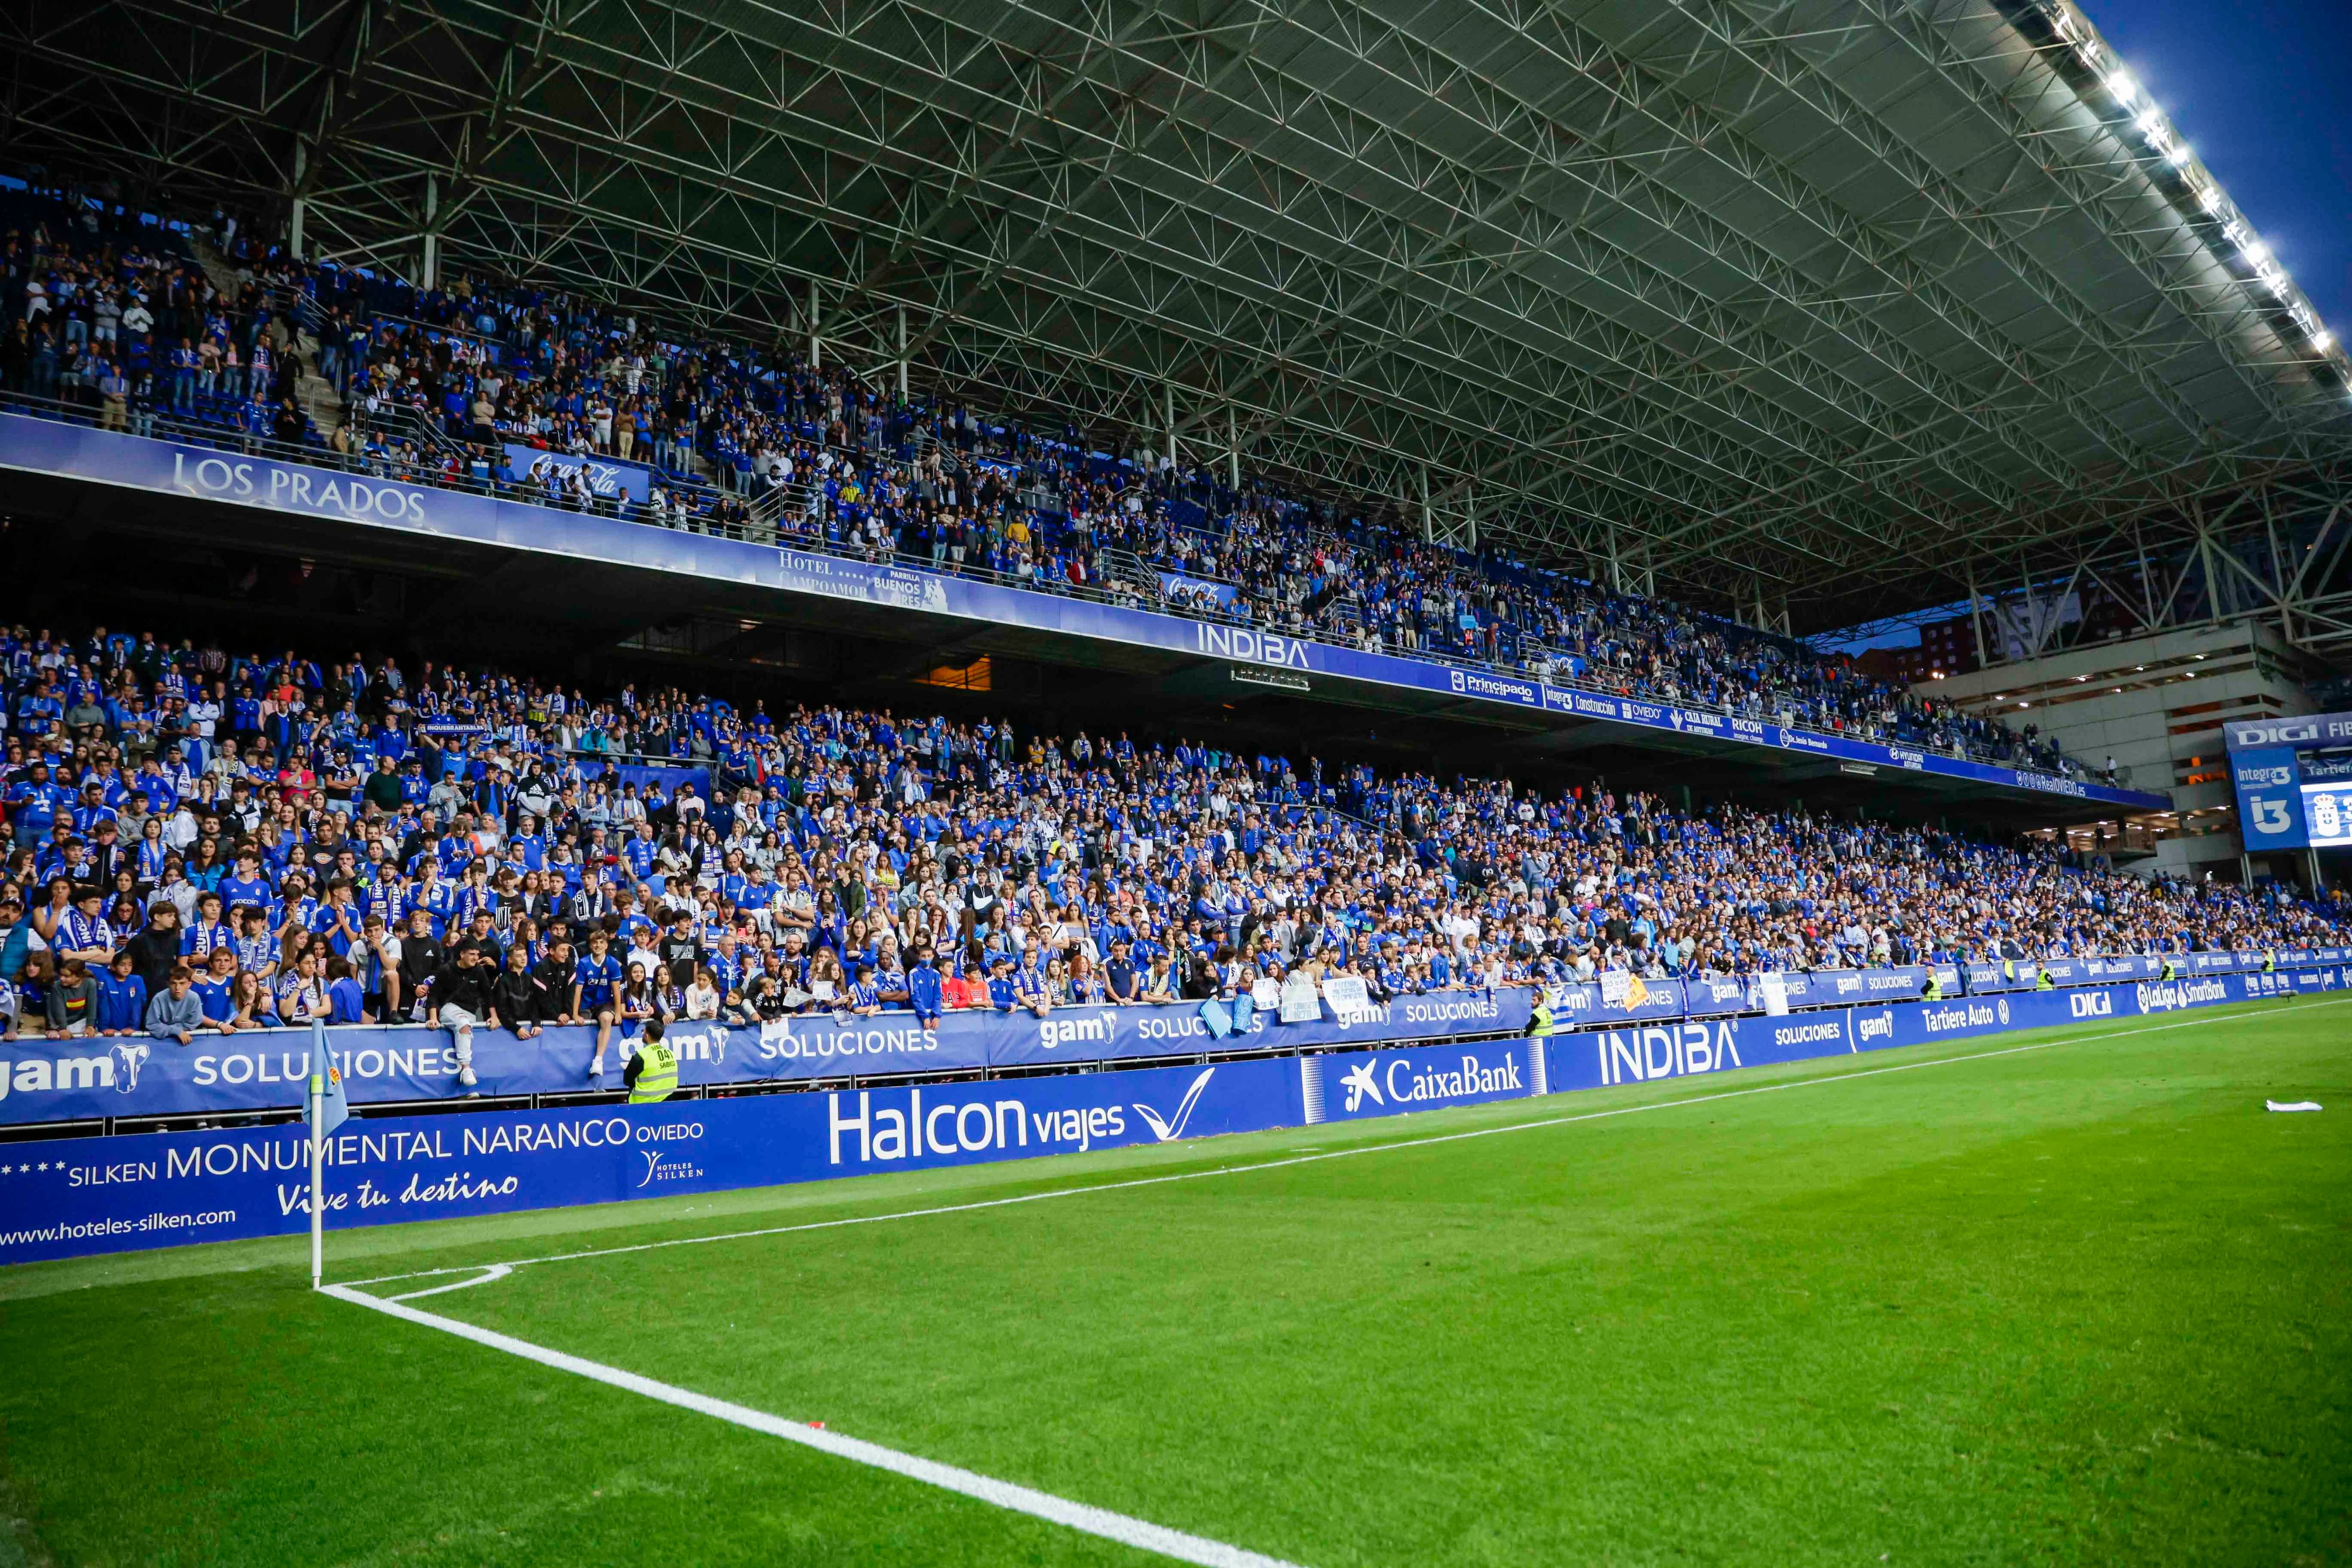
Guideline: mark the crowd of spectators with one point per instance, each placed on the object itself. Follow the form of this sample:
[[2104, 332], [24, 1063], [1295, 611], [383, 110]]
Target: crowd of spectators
[[488, 387], [200, 841]]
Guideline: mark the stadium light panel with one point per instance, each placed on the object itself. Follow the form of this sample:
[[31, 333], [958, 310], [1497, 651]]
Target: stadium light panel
[[2126, 90]]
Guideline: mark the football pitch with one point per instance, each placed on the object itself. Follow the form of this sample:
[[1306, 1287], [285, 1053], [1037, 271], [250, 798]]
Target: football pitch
[[2066, 1297]]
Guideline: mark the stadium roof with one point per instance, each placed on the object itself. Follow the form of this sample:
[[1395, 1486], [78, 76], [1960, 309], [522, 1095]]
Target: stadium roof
[[1822, 303]]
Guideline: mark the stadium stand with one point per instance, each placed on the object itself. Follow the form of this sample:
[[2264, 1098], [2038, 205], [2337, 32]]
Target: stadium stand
[[533, 395], [326, 840]]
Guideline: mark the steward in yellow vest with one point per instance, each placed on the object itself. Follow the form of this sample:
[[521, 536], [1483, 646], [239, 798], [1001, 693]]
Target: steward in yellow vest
[[1540, 1022], [652, 1072]]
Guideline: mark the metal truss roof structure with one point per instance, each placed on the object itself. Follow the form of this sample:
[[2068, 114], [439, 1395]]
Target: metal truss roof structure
[[1804, 308]]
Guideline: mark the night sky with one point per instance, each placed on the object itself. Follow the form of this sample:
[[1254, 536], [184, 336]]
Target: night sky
[[2261, 89]]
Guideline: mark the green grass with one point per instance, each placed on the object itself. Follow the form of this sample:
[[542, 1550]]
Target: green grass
[[2086, 1303]]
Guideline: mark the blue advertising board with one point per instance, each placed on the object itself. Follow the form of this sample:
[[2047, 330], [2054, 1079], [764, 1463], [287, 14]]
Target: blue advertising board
[[1637, 1053], [1348, 1085], [64, 1198], [72, 1196], [2289, 796], [90, 1077], [169, 467], [607, 478]]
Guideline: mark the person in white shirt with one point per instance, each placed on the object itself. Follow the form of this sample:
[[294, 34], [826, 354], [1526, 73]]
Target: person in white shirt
[[702, 997]]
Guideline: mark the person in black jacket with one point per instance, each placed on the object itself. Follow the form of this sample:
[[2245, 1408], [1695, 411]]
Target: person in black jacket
[[421, 959], [520, 1000], [554, 974], [155, 950], [462, 996], [680, 951]]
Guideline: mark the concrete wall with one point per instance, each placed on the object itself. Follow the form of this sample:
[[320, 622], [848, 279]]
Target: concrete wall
[[2156, 704]]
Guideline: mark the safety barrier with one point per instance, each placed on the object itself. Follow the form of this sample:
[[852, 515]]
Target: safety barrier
[[135, 1079], [71, 1196]]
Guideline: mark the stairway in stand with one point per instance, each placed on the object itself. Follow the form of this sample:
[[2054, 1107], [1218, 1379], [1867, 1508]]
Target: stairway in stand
[[313, 392]]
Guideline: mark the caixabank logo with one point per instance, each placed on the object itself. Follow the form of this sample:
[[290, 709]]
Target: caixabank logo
[[1391, 1081]]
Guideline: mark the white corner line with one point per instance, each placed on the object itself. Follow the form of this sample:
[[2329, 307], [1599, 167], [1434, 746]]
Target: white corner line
[[1118, 1527], [495, 1271], [1339, 1153]]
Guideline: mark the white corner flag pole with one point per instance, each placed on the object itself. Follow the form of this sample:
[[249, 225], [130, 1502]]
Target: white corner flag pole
[[318, 1171]]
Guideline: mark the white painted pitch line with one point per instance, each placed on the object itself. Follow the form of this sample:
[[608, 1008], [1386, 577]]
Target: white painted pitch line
[[495, 1271], [1331, 1154], [1136, 1532]]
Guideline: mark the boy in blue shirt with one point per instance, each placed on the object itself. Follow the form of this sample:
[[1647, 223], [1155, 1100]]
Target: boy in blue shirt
[[1001, 994], [924, 989], [122, 997]]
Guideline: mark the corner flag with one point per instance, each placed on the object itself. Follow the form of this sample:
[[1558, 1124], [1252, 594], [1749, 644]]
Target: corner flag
[[333, 1106], [325, 1108]]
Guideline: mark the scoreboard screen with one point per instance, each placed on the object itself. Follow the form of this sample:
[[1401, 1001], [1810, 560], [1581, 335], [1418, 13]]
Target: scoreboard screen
[[2327, 812]]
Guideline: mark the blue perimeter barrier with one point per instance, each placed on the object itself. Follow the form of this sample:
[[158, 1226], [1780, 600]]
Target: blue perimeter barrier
[[93, 1078], [68, 1197]]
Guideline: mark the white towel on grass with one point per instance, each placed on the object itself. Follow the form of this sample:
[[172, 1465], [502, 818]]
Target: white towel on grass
[[2298, 1105]]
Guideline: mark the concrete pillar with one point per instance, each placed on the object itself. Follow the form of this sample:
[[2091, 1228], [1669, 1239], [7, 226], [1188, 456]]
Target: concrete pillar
[[1232, 448], [816, 344], [429, 274], [297, 213]]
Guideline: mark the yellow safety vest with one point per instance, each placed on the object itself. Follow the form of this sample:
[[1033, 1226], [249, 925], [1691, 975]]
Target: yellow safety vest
[[656, 1073], [1540, 1022], [2043, 980], [1934, 990], [2169, 973]]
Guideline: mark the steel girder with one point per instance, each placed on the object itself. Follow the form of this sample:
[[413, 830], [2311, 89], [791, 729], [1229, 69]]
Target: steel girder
[[1597, 270]]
